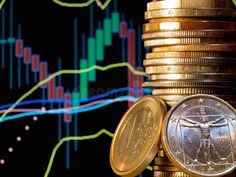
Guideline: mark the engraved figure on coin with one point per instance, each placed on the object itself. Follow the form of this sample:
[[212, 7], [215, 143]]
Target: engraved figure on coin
[[206, 147], [143, 130]]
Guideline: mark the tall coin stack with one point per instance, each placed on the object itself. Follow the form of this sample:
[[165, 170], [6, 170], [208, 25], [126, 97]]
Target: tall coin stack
[[192, 49]]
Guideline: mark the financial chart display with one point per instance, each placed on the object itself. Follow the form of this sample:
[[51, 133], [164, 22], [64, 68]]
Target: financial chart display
[[69, 71]]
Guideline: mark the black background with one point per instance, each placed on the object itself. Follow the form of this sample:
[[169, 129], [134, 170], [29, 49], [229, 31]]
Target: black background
[[48, 29]]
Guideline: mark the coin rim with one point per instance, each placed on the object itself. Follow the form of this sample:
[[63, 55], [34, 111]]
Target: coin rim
[[153, 149], [166, 145]]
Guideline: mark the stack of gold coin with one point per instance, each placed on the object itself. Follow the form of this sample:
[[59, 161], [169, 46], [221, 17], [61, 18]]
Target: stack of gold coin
[[192, 49], [163, 167]]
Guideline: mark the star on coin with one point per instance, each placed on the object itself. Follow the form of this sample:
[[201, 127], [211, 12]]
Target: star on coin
[[218, 104], [210, 169], [178, 152], [184, 106], [200, 101], [192, 165]]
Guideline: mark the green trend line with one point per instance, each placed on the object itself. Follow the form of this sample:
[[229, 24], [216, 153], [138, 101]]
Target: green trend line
[[76, 138], [58, 73], [83, 4], [234, 1], [2, 3]]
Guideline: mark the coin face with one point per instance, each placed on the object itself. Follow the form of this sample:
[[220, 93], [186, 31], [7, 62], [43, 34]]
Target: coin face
[[199, 135], [136, 139]]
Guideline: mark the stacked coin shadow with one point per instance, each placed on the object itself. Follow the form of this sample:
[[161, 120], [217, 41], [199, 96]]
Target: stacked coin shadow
[[191, 49]]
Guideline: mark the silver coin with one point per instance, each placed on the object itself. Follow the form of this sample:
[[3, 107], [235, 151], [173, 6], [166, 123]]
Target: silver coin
[[199, 135]]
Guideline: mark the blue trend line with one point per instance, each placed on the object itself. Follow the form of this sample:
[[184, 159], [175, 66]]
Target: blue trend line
[[79, 110], [28, 102]]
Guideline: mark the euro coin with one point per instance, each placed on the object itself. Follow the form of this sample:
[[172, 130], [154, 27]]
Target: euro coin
[[196, 47], [190, 33], [167, 4], [198, 136], [190, 61], [180, 41], [197, 76], [188, 25], [137, 137], [217, 12], [181, 69], [170, 174], [190, 91], [178, 84]]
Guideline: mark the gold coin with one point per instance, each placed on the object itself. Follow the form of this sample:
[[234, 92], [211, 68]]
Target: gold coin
[[197, 47], [184, 19], [188, 25], [189, 33], [162, 161], [173, 103], [170, 174], [197, 76], [217, 12], [179, 84], [161, 153], [172, 98], [168, 4], [165, 168], [190, 91], [188, 54], [190, 61], [136, 139], [180, 41], [181, 69], [176, 98], [198, 136]]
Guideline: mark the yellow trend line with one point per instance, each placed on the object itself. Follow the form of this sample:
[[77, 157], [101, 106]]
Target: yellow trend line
[[83, 4], [76, 138], [58, 73], [2, 3], [73, 138]]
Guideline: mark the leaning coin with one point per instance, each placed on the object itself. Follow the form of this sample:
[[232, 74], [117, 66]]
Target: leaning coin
[[198, 135], [137, 137]]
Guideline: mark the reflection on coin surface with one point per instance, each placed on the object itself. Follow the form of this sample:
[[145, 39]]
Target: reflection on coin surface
[[136, 139], [199, 135]]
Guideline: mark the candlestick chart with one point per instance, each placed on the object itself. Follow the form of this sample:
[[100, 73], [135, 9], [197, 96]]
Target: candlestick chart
[[69, 71]]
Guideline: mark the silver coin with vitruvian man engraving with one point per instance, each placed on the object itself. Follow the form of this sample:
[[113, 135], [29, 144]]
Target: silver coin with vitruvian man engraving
[[199, 135]]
